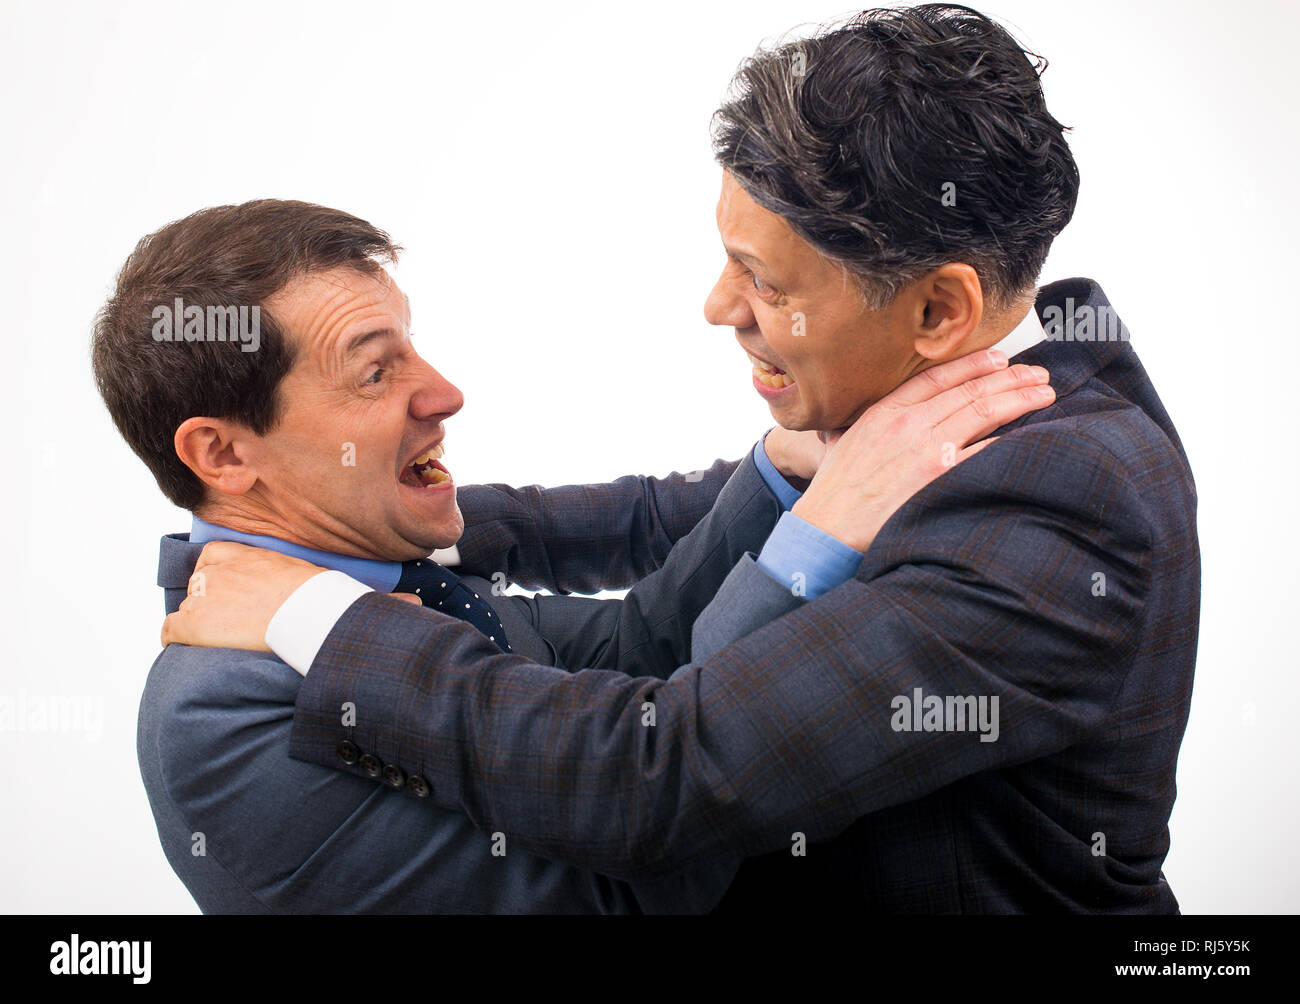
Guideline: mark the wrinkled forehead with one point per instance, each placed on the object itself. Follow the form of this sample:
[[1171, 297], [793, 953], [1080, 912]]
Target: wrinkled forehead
[[326, 314], [756, 234]]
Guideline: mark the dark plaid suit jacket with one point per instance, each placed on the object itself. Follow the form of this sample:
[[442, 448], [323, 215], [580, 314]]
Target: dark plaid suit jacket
[[1058, 570]]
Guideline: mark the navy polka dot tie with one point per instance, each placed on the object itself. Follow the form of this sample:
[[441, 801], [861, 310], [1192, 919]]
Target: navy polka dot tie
[[441, 589]]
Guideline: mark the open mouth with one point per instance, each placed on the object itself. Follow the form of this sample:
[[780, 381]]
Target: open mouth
[[769, 375], [425, 471]]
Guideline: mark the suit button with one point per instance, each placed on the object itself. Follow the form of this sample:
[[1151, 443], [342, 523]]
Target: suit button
[[348, 752], [418, 785], [371, 764], [393, 776]]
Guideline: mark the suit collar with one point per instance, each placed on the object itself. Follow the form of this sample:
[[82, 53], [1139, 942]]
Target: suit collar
[[1076, 316], [178, 553]]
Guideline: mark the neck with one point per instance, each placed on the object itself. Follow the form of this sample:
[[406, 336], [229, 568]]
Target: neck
[[304, 531], [988, 334]]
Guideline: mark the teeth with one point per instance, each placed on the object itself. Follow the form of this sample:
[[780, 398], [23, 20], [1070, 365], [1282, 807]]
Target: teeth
[[434, 454], [774, 380], [769, 375], [433, 476]]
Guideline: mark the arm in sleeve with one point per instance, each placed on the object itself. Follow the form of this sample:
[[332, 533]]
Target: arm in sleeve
[[978, 587], [648, 632], [583, 538], [285, 836]]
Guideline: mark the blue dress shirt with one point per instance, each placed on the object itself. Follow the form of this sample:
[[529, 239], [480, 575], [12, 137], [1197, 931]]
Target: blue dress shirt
[[379, 575], [801, 557]]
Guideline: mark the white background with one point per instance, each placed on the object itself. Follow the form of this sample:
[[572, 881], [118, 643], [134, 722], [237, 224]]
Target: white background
[[548, 167]]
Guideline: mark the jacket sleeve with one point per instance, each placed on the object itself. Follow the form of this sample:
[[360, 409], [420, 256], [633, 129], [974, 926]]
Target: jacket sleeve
[[648, 632], [979, 587], [283, 836], [583, 538]]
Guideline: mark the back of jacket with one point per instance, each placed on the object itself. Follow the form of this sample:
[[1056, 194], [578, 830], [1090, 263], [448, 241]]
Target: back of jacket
[[1059, 571]]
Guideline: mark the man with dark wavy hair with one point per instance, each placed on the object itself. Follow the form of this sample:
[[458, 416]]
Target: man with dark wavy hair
[[976, 707]]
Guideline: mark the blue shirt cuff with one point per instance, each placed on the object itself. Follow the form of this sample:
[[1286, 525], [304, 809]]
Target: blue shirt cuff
[[806, 560], [785, 492]]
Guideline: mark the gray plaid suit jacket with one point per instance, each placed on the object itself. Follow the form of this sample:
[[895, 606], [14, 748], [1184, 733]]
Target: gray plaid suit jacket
[[1057, 571]]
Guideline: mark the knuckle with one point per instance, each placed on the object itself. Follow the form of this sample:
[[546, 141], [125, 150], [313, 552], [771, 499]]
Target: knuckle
[[931, 381]]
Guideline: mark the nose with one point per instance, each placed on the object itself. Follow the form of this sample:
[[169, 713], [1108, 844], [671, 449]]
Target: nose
[[435, 396], [725, 307]]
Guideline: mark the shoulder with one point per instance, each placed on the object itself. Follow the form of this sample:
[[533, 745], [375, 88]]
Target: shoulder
[[188, 680], [204, 706]]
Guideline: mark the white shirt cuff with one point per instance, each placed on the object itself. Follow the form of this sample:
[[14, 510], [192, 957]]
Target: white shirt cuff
[[449, 556], [303, 622]]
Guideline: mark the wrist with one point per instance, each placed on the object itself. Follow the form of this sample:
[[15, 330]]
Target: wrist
[[825, 521], [774, 445]]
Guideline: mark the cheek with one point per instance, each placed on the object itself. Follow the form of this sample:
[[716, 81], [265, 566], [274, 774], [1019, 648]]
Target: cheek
[[787, 334]]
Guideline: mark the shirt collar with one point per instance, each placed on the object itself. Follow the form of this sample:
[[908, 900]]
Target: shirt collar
[[1028, 333], [379, 575]]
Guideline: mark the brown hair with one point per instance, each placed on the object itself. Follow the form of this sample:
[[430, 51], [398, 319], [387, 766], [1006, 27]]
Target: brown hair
[[223, 257]]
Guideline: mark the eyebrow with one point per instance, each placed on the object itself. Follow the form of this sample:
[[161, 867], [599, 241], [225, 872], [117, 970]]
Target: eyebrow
[[744, 256], [359, 341]]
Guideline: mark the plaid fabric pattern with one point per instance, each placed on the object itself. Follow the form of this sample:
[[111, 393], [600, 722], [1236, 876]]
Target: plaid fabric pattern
[[583, 538], [1058, 571]]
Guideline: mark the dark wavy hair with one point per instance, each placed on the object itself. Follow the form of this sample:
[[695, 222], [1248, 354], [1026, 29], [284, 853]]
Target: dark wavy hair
[[856, 134]]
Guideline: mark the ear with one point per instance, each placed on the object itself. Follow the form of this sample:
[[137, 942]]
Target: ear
[[218, 452], [950, 305]]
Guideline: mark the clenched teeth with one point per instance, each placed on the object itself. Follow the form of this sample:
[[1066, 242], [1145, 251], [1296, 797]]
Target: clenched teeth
[[770, 375]]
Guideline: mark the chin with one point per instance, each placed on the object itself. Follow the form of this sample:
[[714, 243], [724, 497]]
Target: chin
[[794, 423], [425, 538], [447, 531]]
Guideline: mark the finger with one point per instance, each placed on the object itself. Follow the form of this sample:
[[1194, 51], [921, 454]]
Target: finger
[[167, 633], [408, 597], [217, 551], [951, 401], [937, 379], [974, 448], [985, 414]]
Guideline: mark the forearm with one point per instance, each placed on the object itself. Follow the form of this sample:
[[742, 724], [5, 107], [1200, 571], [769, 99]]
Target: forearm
[[786, 729], [648, 633], [583, 538]]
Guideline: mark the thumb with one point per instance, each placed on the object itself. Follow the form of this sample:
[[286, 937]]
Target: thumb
[[408, 597]]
